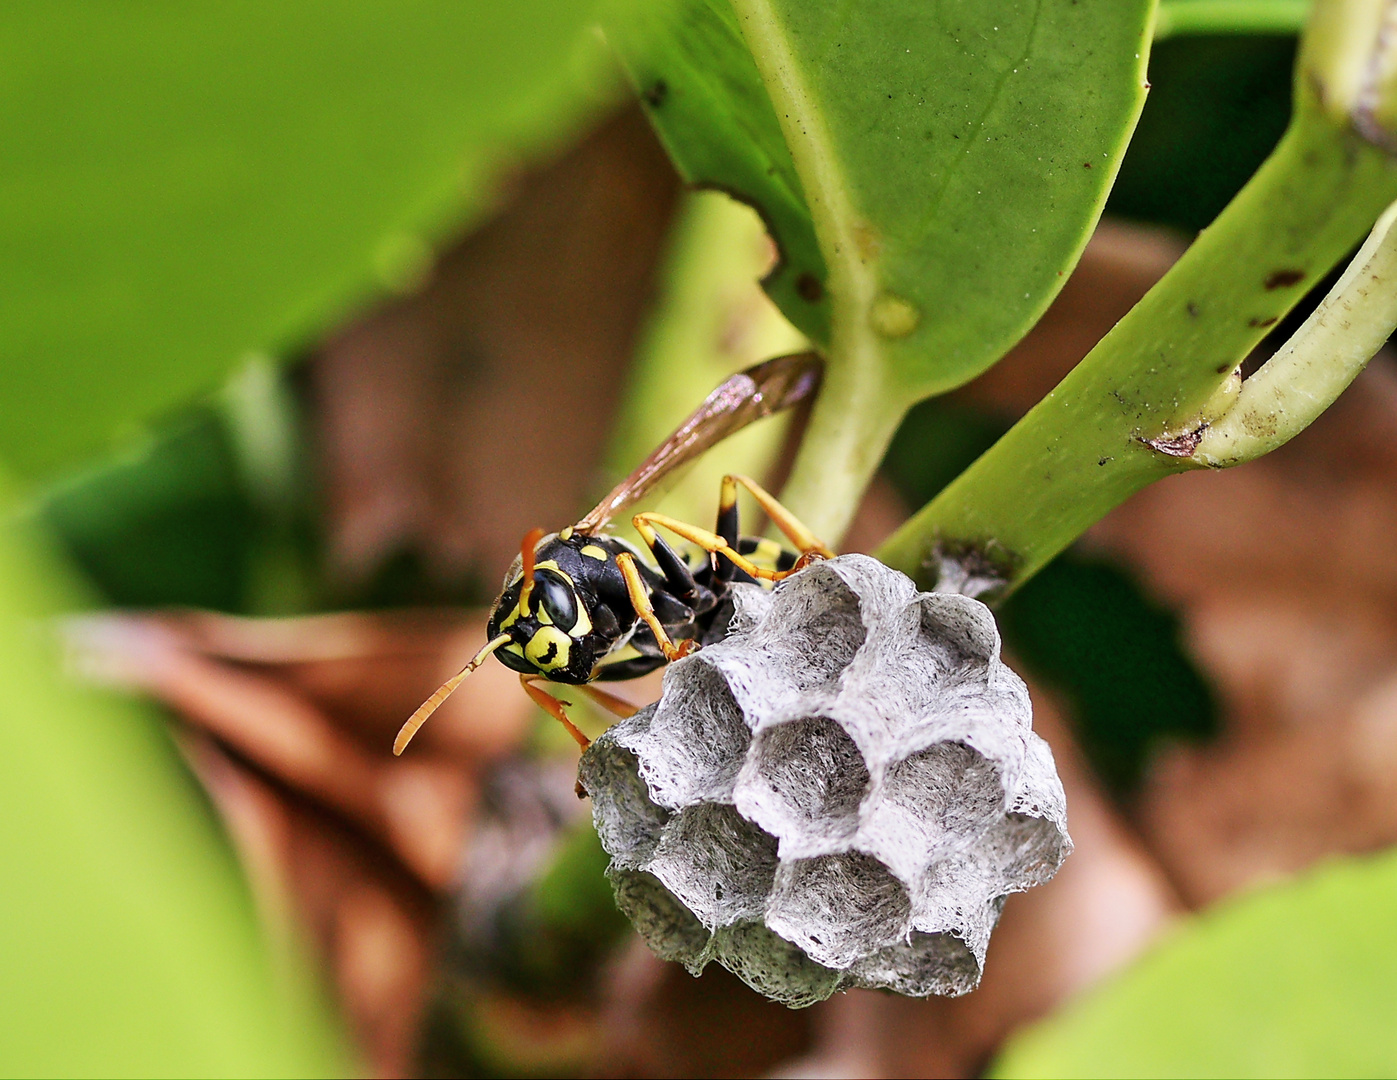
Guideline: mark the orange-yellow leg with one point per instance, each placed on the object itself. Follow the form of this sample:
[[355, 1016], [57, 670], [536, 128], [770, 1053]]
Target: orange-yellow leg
[[554, 708], [640, 600], [809, 546], [610, 702], [709, 541]]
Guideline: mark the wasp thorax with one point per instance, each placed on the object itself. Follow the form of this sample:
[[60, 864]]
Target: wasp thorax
[[841, 793]]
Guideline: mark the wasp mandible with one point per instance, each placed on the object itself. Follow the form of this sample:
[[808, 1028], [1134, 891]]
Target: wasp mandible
[[581, 606]]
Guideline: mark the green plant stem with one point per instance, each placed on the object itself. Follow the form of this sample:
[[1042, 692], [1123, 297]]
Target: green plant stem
[[849, 432], [1104, 432], [1183, 17]]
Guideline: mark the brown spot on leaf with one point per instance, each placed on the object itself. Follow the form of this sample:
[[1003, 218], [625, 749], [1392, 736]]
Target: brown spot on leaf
[[1281, 279], [1261, 322], [808, 287], [1179, 446], [656, 93]]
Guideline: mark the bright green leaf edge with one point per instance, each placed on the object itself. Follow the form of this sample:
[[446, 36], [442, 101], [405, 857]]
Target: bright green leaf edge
[[1178, 18], [1297, 980]]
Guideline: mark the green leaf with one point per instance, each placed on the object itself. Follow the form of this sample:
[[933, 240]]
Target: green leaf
[[706, 100], [168, 524], [129, 944], [185, 184], [963, 151], [1293, 981], [1167, 370], [955, 158], [212, 509]]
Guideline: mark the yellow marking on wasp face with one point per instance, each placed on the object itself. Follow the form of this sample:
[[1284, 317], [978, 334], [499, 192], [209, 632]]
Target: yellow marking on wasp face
[[548, 649], [594, 552], [566, 534], [580, 629], [520, 609], [514, 648], [583, 626], [512, 618]]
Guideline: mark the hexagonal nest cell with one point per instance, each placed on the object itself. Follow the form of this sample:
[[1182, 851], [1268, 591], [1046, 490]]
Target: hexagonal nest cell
[[840, 793], [804, 781]]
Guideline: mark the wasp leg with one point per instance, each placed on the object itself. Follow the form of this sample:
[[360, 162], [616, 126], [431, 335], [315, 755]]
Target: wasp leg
[[610, 702], [554, 708], [724, 569], [710, 542], [676, 571], [804, 540], [640, 600]]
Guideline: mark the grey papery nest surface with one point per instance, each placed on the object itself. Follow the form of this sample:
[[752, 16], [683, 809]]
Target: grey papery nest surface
[[840, 793]]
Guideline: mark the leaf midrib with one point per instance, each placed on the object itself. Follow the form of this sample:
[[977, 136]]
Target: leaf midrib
[[827, 191]]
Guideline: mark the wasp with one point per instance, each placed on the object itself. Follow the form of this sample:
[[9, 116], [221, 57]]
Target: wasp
[[581, 605]]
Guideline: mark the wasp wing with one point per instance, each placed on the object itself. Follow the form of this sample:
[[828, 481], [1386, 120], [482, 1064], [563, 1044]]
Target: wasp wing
[[743, 398]]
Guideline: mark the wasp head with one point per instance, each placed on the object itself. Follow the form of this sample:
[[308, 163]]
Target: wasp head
[[546, 617]]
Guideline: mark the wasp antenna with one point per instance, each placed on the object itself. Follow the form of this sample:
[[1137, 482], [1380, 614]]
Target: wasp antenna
[[526, 556], [444, 691]]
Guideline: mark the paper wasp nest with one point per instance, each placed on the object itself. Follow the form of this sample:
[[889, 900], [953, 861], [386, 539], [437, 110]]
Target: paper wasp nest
[[840, 793]]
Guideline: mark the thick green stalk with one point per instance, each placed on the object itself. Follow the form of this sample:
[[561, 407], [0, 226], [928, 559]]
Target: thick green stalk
[[1108, 429], [843, 445]]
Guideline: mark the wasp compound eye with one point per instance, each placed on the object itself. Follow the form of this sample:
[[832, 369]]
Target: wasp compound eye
[[841, 793], [558, 598]]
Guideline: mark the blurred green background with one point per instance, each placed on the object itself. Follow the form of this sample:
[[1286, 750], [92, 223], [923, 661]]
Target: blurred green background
[[186, 188]]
